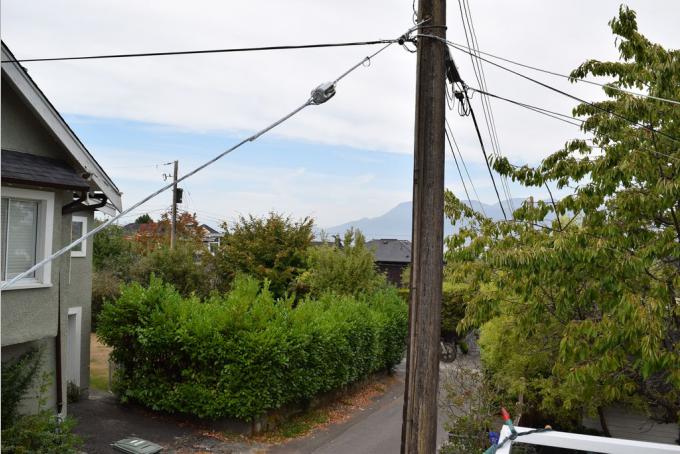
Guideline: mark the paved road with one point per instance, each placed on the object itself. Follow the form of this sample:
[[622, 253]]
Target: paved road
[[375, 430]]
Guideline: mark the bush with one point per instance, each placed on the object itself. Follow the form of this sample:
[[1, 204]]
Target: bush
[[244, 353], [42, 433], [105, 287], [347, 270]]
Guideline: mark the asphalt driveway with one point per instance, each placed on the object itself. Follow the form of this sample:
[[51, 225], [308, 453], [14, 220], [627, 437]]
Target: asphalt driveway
[[376, 429]]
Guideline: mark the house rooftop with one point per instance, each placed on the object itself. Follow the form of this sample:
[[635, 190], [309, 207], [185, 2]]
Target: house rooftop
[[16, 77], [390, 250], [26, 168]]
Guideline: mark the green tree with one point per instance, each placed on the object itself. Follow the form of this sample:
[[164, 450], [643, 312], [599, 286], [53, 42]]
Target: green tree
[[113, 257], [578, 298], [187, 267], [346, 270], [272, 248], [144, 219], [112, 251]]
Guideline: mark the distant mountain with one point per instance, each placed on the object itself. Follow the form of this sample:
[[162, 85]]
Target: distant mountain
[[396, 223]]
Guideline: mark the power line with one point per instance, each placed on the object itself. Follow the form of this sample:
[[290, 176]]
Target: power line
[[460, 155], [562, 92], [203, 51], [556, 115], [318, 96], [478, 68], [464, 48], [462, 180], [486, 158]]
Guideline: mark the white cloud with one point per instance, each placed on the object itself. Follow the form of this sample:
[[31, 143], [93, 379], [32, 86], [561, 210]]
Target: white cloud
[[373, 109], [243, 92]]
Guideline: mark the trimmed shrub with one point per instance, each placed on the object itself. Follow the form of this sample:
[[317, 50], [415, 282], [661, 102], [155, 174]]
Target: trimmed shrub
[[244, 353]]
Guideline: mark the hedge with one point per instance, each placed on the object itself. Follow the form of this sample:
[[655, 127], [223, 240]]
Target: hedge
[[243, 353]]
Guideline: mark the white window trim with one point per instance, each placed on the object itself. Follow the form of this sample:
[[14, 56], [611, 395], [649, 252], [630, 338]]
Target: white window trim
[[43, 275], [83, 251], [78, 312]]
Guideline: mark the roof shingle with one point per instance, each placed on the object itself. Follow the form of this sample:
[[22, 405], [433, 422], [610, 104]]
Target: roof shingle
[[26, 168]]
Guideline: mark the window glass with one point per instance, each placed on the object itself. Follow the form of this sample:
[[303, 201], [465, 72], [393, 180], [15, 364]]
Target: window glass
[[19, 236], [77, 232]]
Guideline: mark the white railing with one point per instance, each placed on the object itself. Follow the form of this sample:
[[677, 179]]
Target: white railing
[[586, 443]]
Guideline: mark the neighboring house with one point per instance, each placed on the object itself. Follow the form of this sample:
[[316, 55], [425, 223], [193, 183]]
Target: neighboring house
[[391, 257], [51, 186], [211, 238]]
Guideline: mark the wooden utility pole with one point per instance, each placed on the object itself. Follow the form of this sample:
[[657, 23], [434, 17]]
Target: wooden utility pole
[[419, 429], [173, 226]]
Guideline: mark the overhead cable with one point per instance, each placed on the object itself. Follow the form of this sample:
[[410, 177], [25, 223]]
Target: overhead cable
[[562, 92], [556, 115], [319, 95], [486, 158], [203, 51], [478, 68], [464, 48], [462, 161], [460, 174]]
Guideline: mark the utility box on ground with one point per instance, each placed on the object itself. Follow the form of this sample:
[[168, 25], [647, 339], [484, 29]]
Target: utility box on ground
[[136, 446]]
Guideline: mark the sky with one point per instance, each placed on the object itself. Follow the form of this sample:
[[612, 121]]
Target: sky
[[349, 158]]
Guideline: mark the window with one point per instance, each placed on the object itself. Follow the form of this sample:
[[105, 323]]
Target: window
[[26, 219], [78, 229]]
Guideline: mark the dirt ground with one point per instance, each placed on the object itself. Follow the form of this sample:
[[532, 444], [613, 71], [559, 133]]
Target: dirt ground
[[99, 364]]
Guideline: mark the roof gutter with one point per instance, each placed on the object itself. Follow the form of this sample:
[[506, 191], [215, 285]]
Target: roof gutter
[[78, 205]]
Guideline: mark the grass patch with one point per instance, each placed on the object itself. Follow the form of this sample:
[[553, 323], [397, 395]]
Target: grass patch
[[99, 364]]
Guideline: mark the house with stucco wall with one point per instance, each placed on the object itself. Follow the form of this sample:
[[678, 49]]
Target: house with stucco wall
[[51, 187]]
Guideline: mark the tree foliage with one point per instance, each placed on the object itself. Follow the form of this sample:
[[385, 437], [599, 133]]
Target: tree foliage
[[272, 248], [578, 298], [348, 269], [112, 252], [143, 219], [189, 267], [153, 235]]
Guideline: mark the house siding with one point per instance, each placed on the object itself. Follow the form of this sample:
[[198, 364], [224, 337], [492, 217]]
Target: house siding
[[43, 394], [31, 314], [393, 271], [31, 317], [78, 293], [22, 130]]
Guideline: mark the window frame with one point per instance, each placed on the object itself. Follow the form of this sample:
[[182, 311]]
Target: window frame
[[45, 229], [83, 249]]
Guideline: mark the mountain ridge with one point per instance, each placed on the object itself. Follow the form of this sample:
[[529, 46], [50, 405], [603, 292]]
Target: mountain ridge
[[396, 222]]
